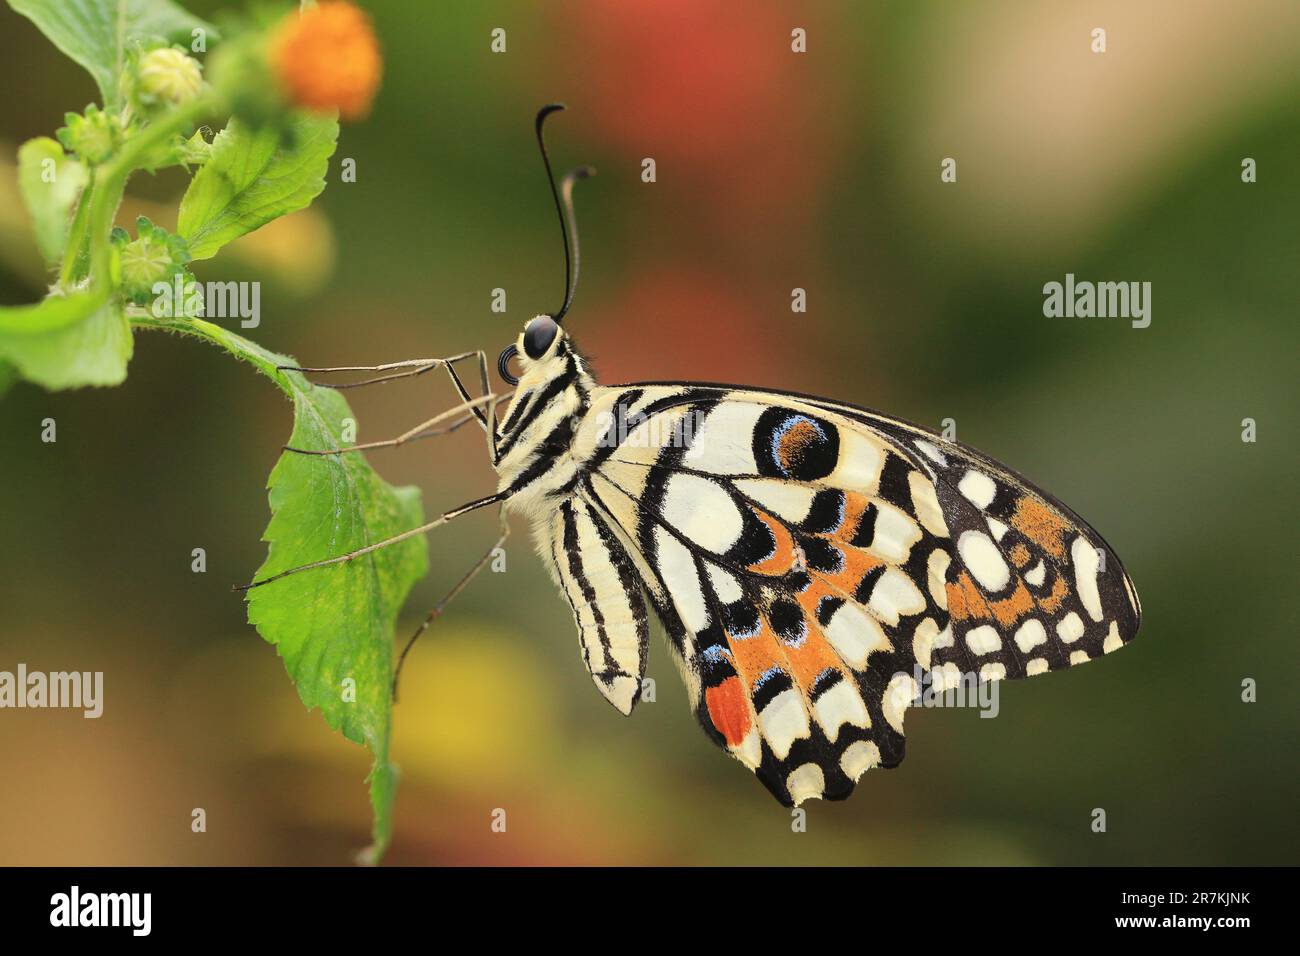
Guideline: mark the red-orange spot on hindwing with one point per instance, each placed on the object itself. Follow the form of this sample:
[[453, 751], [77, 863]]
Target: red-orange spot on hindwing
[[729, 710]]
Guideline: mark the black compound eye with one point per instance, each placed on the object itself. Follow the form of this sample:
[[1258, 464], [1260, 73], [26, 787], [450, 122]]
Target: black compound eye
[[539, 333]]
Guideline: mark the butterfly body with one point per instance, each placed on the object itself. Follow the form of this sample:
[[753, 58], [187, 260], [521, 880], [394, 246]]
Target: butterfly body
[[808, 559]]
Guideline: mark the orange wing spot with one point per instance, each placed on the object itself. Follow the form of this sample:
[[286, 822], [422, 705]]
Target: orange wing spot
[[783, 558], [965, 600], [756, 654], [729, 710], [812, 657], [1040, 524], [856, 565], [1020, 555], [812, 594], [794, 445], [1053, 601], [1009, 610], [855, 506]]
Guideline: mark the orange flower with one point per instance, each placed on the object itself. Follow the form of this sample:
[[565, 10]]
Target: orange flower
[[327, 57]]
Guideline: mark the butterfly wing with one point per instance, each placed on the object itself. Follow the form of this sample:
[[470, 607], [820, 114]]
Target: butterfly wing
[[605, 593], [811, 559], [1033, 588]]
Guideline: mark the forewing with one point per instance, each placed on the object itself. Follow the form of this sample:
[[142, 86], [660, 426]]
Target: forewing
[[1031, 586]]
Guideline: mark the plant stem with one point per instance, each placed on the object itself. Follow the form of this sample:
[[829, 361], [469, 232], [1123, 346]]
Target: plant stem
[[112, 177], [77, 232]]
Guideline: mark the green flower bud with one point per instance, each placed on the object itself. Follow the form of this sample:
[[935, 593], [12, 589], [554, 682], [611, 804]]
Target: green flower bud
[[169, 76], [155, 256], [93, 137]]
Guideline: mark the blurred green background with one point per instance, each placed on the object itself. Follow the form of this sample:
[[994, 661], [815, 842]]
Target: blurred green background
[[775, 171]]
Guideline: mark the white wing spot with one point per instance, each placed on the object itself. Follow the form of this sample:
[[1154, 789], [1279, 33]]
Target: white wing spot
[[1070, 628], [860, 462], [991, 672], [937, 568], [859, 757], [899, 695], [894, 534], [785, 499], [929, 451], [1037, 574], [923, 641], [677, 566], [805, 783], [978, 489], [855, 634], [703, 511], [1037, 666], [1113, 641], [724, 584], [983, 640], [838, 706], [723, 445], [784, 721], [895, 594], [926, 504], [984, 560], [1030, 635], [750, 750], [1084, 556]]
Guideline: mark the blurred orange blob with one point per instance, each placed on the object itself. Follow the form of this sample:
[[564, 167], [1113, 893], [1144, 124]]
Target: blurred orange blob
[[680, 322], [328, 58]]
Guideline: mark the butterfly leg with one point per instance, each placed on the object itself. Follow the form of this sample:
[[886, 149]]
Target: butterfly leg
[[490, 425], [422, 529], [464, 392], [423, 430], [411, 367], [447, 599]]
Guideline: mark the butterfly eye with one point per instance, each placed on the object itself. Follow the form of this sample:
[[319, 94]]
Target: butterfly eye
[[539, 333]]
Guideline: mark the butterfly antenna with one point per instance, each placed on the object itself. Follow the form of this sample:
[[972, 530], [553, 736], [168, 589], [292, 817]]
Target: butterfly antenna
[[563, 195]]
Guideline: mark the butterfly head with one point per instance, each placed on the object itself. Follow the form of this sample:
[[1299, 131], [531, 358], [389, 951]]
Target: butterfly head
[[541, 349], [551, 389]]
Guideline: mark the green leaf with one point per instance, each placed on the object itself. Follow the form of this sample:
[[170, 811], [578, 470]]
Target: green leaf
[[253, 176], [67, 341], [50, 182], [97, 33], [337, 622]]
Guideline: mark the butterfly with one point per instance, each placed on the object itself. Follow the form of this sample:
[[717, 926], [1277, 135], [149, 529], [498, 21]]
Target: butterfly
[[807, 558]]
